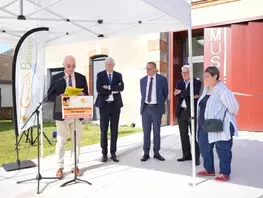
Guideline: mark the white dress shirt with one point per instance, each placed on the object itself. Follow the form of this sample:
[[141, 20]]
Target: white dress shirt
[[154, 93], [72, 79], [110, 96], [184, 103]]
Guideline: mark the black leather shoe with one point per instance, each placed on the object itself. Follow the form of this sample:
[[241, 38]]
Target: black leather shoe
[[104, 158], [158, 156], [197, 162], [114, 158], [189, 158], [145, 157]]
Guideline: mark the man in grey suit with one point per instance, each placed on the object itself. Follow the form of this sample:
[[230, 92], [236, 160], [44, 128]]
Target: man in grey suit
[[154, 92]]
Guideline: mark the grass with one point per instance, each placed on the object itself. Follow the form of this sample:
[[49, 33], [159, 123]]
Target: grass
[[90, 135]]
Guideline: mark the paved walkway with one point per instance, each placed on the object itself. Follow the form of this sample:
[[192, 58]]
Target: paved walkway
[[130, 178]]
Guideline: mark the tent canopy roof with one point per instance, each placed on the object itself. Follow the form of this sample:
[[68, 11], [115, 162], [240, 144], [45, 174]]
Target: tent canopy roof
[[81, 20]]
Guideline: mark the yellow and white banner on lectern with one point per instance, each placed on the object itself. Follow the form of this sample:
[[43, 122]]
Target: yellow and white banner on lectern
[[77, 107]]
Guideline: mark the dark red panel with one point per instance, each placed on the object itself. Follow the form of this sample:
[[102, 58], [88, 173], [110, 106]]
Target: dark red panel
[[255, 80], [246, 78], [255, 46], [243, 120], [239, 72]]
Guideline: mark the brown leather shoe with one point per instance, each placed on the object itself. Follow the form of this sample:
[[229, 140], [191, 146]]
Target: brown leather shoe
[[78, 173], [59, 173]]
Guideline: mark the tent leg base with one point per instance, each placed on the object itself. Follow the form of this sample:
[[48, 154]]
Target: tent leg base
[[15, 166]]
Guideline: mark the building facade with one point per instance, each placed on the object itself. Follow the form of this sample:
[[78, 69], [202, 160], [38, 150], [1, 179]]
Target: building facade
[[5, 80], [6, 102], [131, 55], [226, 33]]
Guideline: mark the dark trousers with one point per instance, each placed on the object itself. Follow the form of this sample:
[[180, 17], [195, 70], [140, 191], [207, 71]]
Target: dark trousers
[[224, 152], [184, 127], [151, 117], [109, 113]]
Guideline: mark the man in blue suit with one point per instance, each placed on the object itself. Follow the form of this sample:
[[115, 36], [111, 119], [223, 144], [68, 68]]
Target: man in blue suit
[[154, 92]]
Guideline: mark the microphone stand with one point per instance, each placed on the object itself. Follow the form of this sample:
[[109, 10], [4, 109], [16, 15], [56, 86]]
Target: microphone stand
[[76, 179], [39, 176]]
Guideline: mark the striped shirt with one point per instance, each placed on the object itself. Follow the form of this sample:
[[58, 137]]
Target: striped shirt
[[221, 99]]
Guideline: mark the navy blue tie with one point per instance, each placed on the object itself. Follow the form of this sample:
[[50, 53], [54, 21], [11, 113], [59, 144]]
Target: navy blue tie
[[110, 78], [186, 84], [150, 91], [69, 81]]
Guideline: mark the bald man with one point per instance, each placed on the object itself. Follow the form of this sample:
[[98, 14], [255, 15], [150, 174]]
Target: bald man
[[58, 85]]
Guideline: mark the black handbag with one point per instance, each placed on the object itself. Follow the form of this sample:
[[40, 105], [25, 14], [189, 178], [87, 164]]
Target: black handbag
[[214, 125]]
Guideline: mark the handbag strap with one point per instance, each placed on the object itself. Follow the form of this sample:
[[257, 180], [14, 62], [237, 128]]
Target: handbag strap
[[225, 115]]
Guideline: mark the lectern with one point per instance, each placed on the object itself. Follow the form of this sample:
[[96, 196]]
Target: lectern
[[75, 107]]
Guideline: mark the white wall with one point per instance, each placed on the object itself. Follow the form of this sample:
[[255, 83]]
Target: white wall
[[6, 95], [130, 54], [237, 10], [55, 55]]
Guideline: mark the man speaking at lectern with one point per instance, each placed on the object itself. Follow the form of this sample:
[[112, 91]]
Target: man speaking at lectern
[[59, 82]]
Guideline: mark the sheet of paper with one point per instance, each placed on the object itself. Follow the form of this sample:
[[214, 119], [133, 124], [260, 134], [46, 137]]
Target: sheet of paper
[[71, 91]]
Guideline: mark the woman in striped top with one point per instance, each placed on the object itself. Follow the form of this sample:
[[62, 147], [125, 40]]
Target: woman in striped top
[[215, 101]]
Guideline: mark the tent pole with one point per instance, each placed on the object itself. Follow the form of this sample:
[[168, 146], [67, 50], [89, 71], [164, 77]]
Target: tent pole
[[192, 104], [21, 7]]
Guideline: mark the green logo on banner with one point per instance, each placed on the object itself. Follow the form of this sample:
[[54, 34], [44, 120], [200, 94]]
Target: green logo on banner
[[27, 64]]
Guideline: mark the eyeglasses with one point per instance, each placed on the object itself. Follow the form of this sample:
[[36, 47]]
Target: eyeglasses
[[149, 68], [70, 66], [184, 72]]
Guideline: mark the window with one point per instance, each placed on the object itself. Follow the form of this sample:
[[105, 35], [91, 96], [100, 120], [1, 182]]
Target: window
[[97, 64], [56, 71], [51, 72], [197, 46], [205, 3]]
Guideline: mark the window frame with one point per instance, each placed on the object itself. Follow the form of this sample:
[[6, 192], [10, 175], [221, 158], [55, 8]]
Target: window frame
[[207, 3]]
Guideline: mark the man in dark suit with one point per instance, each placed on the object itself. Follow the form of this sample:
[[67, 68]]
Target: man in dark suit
[[109, 87], [58, 85], [183, 113], [154, 93]]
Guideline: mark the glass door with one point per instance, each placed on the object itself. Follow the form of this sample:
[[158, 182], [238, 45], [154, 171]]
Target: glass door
[[198, 55]]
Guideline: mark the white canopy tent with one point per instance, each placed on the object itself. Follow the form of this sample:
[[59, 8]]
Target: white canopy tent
[[82, 20], [72, 21]]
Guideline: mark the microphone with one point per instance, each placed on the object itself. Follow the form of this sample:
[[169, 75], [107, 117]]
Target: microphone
[[54, 85], [64, 77]]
